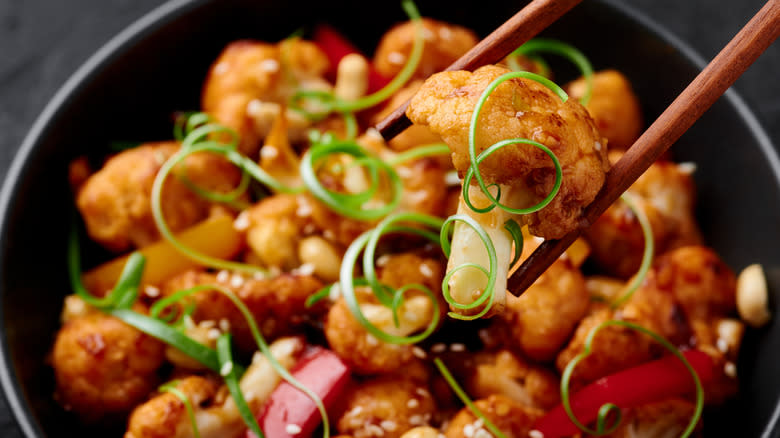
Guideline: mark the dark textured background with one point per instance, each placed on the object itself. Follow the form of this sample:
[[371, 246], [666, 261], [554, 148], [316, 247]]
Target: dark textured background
[[42, 42]]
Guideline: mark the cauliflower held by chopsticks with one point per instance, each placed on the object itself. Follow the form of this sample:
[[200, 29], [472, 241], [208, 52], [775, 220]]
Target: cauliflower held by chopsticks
[[517, 108]]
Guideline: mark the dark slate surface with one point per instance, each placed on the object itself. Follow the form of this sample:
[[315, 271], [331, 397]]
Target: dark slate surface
[[42, 42]]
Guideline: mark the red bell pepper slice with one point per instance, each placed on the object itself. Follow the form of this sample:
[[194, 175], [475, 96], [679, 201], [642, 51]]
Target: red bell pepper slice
[[291, 413], [336, 46], [646, 383]]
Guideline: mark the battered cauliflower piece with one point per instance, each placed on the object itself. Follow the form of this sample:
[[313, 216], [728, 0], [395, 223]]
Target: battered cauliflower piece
[[543, 318], [366, 354], [277, 304], [613, 106], [277, 224], [518, 108], [251, 82], [115, 201], [526, 109], [444, 44], [666, 195], [507, 374], [386, 406], [514, 419], [216, 415], [103, 367]]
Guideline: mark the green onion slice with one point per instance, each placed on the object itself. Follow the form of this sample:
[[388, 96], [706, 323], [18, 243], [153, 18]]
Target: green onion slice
[[602, 427], [465, 398], [419, 152], [228, 372], [647, 254], [171, 387]]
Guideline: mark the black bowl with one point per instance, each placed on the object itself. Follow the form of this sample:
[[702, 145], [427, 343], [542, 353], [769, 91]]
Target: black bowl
[[128, 90]]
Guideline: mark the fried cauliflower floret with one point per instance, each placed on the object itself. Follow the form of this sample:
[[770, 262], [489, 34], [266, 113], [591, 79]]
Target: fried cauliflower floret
[[444, 44], [386, 406], [423, 181], [414, 135], [277, 304], [665, 193], [613, 106], [543, 318], [115, 201], [526, 109], [360, 349], [103, 367], [664, 419], [216, 414], [277, 224], [514, 419], [507, 374], [165, 416], [252, 81]]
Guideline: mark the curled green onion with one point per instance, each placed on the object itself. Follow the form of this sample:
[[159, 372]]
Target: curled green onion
[[602, 427], [228, 372], [465, 398], [647, 254], [171, 387], [489, 293], [351, 205], [386, 296], [517, 236], [331, 103], [544, 45], [475, 160]]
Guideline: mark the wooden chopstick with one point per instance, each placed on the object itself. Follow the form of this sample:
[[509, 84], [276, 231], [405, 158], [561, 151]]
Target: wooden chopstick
[[706, 88], [523, 26]]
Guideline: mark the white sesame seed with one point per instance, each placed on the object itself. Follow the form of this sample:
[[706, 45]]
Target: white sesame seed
[[371, 340], [412, 403], [207, 324], [457, 347], [438, 348], [396, 58], [237, 280], [292, 429], [478, 423], [519, 114], [427, 33], [309, 229], [383, 260], [388, 425], [223, 276], [221, 68], [259, 275], [722, 345], [356, 410], [269, 152], [304, 209], [270, 65], [152, 291], [305, 269], [468, 430], [189, 324], [426, 270], [422, 392], [213, 334], [687, 167], [224, 325], [254, 107], [730, 369], [535, 434], [375, 430], [445, 33], [597, 146], [419, 352], [226, 368], [416, 420], [451, 178], [482, 433], [242, 221], [328, 234], [404, 172]]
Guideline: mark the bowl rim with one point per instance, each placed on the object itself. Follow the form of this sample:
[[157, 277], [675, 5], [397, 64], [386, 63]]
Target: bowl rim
[[171, 10]]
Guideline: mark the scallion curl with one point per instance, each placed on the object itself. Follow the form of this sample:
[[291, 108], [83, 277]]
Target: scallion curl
[[475, 160], [385, 295], [545, 45], [229, 374], [602, 427], [647, 254], [419, 152]]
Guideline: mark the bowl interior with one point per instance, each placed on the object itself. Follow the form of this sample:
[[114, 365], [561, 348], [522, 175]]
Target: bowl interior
[[130, 94]]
